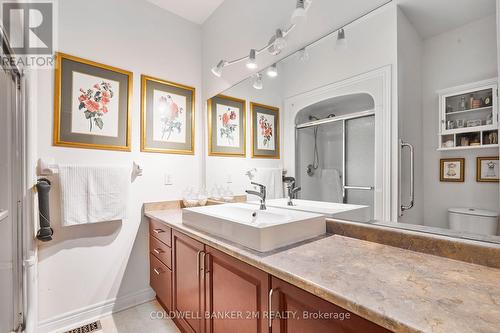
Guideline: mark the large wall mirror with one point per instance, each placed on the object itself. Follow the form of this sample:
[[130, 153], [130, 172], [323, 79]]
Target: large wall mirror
[[395, 124]]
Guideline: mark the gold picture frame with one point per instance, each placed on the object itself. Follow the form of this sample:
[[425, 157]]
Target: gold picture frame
[[494, 178], [241, 151], [270, 110], [148, 142], [448, 170], [61, 136]]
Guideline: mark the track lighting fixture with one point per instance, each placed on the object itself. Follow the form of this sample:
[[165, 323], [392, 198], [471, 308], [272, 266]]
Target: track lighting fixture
[[341, 40], [276, 44], [299, 13], [217, 70], [272, 71], [303, 54], [252, 61], [257, 82]]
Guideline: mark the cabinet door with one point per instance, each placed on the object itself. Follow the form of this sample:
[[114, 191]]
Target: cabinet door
[[297, 311], [188, 286], [236, 295], [161, 281]]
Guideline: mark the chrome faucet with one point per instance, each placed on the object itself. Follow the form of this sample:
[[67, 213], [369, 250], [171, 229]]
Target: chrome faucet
[[292, 190], [261, 194]]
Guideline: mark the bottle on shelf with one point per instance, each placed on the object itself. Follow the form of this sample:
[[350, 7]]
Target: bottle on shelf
[[462, 104]]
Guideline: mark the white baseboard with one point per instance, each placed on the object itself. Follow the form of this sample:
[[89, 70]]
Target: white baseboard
[[93, 312]]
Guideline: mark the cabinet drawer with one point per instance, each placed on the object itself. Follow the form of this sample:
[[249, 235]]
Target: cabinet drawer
[[160, 231], [160, 279], [160, 251]]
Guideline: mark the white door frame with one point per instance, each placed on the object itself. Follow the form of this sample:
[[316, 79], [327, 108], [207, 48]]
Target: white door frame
[[378, 84]]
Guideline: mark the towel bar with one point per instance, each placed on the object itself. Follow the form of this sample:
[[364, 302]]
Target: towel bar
[[49, 167]]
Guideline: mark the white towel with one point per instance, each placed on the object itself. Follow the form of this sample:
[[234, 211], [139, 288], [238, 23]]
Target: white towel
[[272, 178], [331, 186], [91, 194]]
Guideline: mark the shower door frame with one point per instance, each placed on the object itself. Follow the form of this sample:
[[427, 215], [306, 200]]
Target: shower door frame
[[376, 83], [343, 119], [19, 211]]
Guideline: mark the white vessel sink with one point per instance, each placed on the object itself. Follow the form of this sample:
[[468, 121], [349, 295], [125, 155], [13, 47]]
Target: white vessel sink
[[261, 230], [357, 213]]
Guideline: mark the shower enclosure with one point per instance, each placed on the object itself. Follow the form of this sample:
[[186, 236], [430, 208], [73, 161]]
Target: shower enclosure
[[335, 150]]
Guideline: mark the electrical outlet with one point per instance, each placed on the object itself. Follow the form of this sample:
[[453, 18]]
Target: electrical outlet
[[168, 179]]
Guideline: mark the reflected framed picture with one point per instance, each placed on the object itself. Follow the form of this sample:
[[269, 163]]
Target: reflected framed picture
[[265, 131], [92, 105], [487, 169], [226, 126], [167, 117], [452, 170]]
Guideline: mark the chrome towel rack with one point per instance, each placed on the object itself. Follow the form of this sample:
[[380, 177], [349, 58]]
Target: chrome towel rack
[[49, 167]]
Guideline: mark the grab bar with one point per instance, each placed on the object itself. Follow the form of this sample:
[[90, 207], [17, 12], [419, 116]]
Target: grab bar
[[412, 175]]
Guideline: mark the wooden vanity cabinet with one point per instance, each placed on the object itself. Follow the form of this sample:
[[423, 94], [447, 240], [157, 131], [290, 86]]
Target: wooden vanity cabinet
[[296, 311], [235, 293], [212, 292], [188, 283]]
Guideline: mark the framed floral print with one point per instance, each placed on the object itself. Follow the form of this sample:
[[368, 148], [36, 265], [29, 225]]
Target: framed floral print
[[92, 104], [452, 170], [265, 131], [167, 117], [226, 126], [488, 170]]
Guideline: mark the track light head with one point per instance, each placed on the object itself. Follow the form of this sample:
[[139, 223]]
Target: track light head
[[299, 14], [303, 55], [341, 39], [272, 71], [252, 61], [217, 70], [257, 82]]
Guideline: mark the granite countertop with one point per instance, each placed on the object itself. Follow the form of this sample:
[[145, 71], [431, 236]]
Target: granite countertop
[[401, 290]]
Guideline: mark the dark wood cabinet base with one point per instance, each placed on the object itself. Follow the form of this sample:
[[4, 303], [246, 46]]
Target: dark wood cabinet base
[[212, 292]]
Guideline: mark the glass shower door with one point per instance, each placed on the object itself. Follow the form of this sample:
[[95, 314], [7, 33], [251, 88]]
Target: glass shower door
[[359, 172], [335, 161]]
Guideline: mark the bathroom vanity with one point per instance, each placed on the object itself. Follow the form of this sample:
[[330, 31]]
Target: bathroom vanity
[[213, 291], [376, 285]]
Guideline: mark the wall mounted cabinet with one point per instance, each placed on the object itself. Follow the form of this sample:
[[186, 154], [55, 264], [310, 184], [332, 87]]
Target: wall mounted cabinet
[[468, 116]]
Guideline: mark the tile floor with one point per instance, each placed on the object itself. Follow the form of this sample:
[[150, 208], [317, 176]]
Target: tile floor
[[138, 319]]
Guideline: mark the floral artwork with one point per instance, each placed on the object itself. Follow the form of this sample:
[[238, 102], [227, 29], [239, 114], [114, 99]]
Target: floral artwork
[[265, 131], [228, 122], [95, 105], [169, 117]]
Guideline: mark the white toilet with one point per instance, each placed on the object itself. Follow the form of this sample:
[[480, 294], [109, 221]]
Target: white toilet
[[476, 221]]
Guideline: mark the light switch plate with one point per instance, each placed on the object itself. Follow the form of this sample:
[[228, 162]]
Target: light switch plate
[[168, 179]]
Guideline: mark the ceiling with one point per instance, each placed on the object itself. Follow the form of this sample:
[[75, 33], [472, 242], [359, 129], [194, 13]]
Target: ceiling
[[433, 17], [196, 11]]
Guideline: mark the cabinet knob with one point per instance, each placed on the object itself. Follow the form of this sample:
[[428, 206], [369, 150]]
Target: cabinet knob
[[158, 231], [158, 251], [158, 271]]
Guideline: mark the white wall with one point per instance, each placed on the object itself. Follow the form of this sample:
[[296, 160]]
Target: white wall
[[328, 64], [410, 51], [460, 56], [87, 265], [238, 25]]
